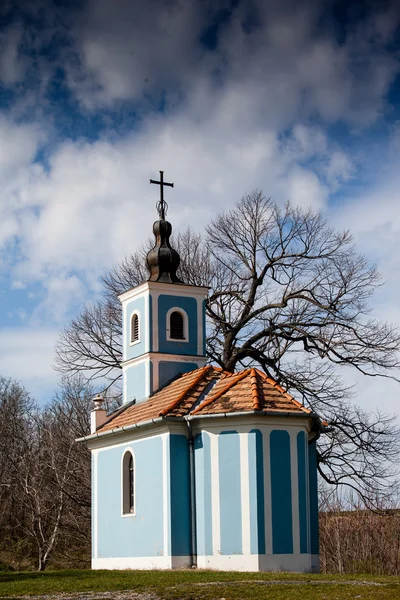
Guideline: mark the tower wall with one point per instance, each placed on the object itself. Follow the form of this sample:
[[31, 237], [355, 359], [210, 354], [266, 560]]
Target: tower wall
[[155, 359]]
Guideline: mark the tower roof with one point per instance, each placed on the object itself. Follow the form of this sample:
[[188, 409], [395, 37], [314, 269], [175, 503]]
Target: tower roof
[[209, 391], [162, 260]]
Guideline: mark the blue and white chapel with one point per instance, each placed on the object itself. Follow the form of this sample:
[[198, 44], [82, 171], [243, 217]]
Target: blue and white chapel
[[199, 467]]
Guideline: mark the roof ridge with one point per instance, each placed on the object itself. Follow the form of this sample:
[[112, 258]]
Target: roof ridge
[[182, 395], [255, 393], [284, 392], [221, 392]]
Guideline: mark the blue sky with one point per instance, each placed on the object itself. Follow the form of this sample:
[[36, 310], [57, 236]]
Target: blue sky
[[300, 99]]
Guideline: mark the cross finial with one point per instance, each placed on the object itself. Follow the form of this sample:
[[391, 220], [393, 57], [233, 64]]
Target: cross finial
[[162, 206]]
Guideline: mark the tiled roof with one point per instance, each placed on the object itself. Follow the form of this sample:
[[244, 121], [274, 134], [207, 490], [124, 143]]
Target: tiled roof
[[208, 391]]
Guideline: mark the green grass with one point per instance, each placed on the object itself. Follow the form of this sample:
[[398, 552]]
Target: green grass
[[203, 585]]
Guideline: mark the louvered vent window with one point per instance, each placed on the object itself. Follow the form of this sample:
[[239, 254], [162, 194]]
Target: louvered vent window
[[176, 326], [135, 328]]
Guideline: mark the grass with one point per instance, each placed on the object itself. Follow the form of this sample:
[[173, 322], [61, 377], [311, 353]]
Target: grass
[[203, 585]]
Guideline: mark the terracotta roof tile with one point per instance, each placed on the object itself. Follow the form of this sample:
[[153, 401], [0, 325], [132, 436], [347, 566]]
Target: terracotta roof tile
[[208, 391]]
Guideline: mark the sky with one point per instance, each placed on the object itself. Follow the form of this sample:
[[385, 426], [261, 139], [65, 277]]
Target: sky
[[298, 99]]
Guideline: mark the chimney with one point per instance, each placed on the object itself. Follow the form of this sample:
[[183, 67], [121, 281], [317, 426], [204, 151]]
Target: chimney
[[98, 416]]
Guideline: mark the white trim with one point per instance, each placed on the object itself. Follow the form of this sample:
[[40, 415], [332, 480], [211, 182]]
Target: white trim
[[165, 357], [124, 386], [245, 491], [215, 500], [95, 505], [169, 289], [229, 562], [137, 313], [297, 563], [213, 426], [147, 388], [185, 318], [122, 437], [165, 439], [217, 423], [300, 563], [295, 491], [125, 483], [124, 340], [142, 562]]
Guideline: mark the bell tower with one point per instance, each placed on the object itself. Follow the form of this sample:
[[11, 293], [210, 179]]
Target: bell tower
[[163, 319]]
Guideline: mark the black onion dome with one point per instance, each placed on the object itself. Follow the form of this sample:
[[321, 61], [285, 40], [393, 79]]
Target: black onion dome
[[162, 260]]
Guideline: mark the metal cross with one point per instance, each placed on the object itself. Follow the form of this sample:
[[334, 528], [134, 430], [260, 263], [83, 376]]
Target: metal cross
[[162, 206]]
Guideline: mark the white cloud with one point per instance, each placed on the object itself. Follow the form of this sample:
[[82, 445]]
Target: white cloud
[[236, 118], [94, 204], [26, 354], [275, 58]]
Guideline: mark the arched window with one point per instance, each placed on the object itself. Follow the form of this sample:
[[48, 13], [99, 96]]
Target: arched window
[[176, 326], [135, 328], [128, 484]]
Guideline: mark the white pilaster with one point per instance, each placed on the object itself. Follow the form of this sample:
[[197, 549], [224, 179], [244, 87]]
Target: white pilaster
[[215, 503], [95, 504], [166, 510], [245, 491]]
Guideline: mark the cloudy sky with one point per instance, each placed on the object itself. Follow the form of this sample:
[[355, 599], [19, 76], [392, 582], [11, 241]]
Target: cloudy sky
[[300, 99]]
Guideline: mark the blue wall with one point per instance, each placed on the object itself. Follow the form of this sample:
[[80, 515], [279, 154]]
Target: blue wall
[[256, 483], [281, 493], [230, 492], [135, 377], [140, 535], [204, 304], [168, 369], [143, 534], [140, 347], [180, 496], [313, 482], [203, 493], [189, 305], [302, 485]]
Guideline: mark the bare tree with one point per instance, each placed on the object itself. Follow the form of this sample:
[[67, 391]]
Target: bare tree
[[45, 498], [17, 408], [41, 475], [290, 294], [91, 345], [354, 539]]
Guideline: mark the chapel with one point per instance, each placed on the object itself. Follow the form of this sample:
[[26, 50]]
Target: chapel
[[199, 467]]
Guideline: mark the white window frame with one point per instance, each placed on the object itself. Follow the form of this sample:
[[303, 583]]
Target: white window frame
[[125, 484], [185, 325], [131, 343]]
